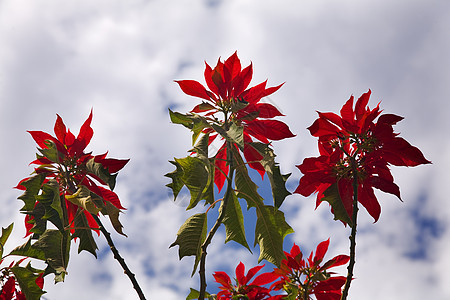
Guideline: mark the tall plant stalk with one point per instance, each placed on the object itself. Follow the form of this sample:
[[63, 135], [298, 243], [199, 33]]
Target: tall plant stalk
[[352, 237], [229, 190]]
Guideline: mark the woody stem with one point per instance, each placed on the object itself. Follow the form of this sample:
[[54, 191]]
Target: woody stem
[[119, 258], [352, 237], [113, 248], [229, 190]]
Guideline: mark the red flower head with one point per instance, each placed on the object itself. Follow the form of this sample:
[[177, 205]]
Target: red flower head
[[78, 174], [353, 144], [253, 290], [307, 277], [229, 95]]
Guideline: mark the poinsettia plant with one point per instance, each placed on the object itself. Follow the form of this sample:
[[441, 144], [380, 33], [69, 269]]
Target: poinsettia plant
[[356, 150], [232, 112], [69, 188]]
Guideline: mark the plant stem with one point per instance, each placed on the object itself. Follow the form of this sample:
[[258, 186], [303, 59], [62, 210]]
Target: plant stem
[[352, 237], [113, 248], [229, 190], [119, 258]]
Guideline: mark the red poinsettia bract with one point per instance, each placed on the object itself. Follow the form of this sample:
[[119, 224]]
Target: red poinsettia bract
[[69, 168], [353, 141], [245, 286], [229, 100], [303, 278]]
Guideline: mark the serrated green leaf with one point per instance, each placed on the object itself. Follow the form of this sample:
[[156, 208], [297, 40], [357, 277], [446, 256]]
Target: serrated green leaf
[[51, 200], [234, 221], [51, 152], [53, 247], [28, 250], [179, 118], [194, 294], [27, 282], [33, 186], [245, 187], [196, 174], [201, 148], [84, 233], [332, 196], [271, 227], [193, 122], [191, 236], [277, 180], [113, 214], [270, 231], [101, 172], [82, 198], [39, 223], [6, 232], [235, 134]]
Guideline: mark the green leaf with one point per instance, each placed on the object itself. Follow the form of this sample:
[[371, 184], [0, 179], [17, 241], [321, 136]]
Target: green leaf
[[101, 172], [33, 186], [277, 180], [82, 198], [26, 277], [6, 232], [39, 223], [52, 247], [193, 122], [51, 152], [245, 186], [235, 134], [28, 250], [271, 227], [84, 233], [51, 200], [332, 196], [194, 294], [113, 214], [196, 174], [191, 236], [234, 221], [270, 231]]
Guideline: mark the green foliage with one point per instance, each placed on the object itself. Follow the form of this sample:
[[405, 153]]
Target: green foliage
[[53, 247], [332, 196], [194, 294], [277, 180], [6, 232], [101, 172], [191, 236], [51, 202], [84, 233], [234, 221], [26, 277]]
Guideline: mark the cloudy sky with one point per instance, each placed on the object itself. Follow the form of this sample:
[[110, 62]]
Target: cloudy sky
[[120, 59]]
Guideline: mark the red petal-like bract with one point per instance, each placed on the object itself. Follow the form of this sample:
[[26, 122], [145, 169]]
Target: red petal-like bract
[[228, 85], [355, 134], [72, 156]]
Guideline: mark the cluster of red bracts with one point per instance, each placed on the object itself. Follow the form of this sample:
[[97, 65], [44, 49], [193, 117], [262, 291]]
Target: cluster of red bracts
[[229, 95], [69, 169], [355, 136], [295, 276]]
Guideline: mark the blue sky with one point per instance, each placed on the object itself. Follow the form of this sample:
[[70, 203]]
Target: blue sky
[[120, 58]]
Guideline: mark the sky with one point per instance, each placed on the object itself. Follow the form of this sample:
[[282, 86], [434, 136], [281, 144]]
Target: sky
[[120, 58]]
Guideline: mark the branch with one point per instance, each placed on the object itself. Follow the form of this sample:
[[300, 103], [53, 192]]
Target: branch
[[119, 258], [202, 270], [352, 237]]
